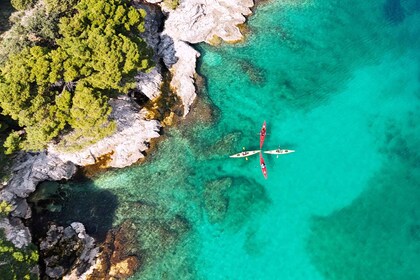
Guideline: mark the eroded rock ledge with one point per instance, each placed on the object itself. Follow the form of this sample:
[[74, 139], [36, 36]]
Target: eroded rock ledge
[[28, 170], [125, 147], [191, 22], [196, 21]]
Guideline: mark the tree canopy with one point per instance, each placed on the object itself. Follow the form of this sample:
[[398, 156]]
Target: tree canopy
[[58, 89], [22, 4]]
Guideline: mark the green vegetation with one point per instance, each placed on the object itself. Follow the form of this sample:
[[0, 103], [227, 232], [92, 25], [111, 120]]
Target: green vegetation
[[55, 84], [171, 4], [22, 4], [17, 263], [5, 208], [5, 167]]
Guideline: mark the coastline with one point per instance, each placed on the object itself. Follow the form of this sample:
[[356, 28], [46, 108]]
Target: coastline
[[183, 83]]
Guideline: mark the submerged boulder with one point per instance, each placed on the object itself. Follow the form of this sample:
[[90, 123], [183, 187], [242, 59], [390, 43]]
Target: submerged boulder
[[119, 257], [216, 200]]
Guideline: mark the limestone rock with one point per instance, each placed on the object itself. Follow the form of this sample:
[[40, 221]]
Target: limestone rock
[[119, 257], [126, 145], [28, 170], [183, 72], [150, 83], [16, 232], [198, 21], [167, 51]]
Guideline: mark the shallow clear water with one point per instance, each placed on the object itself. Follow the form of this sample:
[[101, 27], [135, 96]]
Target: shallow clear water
[[337, 81]]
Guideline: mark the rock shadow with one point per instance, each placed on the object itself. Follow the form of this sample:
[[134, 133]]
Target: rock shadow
[[6, 9], [64, 203]]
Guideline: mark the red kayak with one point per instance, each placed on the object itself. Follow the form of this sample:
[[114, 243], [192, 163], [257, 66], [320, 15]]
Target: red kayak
[[262, 134], [263, 167]]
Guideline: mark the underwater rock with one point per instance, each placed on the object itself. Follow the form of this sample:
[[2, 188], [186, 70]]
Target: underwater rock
[[216, 201], [124, 268], [126, 145], [393, 11], [223, 146], [119, 257]]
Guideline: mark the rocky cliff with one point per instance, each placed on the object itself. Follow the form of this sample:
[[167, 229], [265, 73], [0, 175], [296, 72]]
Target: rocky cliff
[[28, 170], [125, 146], [192, 22]]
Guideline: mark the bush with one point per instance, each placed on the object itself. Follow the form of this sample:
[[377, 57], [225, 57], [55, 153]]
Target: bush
[[12, 143], [22, 4], [17, 263], [63, 86]]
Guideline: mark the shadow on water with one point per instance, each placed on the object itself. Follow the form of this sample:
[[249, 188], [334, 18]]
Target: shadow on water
[[394, 12], [68, 202], [6, 10]]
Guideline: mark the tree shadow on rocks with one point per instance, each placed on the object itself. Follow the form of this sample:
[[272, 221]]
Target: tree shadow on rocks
[[64, 203]]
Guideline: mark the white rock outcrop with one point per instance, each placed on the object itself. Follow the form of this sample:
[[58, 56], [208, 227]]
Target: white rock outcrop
[[126, 145], [183, 72], [196, 21]]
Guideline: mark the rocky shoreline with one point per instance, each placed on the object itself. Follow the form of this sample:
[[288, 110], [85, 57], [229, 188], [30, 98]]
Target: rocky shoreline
[[191, 22]]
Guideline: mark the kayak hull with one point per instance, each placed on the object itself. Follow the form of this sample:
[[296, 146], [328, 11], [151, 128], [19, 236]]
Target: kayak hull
[[263, 132], [263, 167], [279, 152], [245, 154]]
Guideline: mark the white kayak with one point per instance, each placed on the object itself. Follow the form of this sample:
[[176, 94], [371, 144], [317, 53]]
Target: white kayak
[[279, 152], [245, 154]]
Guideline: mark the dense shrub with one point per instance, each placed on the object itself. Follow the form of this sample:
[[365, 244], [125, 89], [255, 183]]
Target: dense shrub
[[22, 4], [63, 87], [17, 263]]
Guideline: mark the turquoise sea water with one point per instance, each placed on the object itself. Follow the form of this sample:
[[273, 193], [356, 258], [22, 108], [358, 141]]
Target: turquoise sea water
[[337, 81]]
